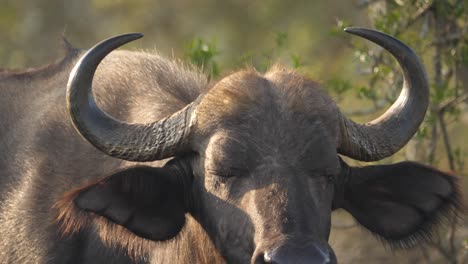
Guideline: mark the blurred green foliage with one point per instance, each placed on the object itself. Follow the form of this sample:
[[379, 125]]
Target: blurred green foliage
[[201, 54], [246, 32]]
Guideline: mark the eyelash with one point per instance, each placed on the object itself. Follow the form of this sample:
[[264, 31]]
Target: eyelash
[[221, 174], [228, 173], [223, 179]]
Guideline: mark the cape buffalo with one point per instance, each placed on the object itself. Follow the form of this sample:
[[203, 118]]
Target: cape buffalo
[[242, 170]]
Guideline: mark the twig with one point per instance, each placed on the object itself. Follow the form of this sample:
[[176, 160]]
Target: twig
[[441, 250], [419, 13], [433, 143], [444, 107], [448, 147], [365, 3], [464, 258], [450, 38], [453, 228]]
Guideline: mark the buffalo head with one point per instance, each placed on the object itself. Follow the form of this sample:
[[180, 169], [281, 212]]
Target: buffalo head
[[255, 161]]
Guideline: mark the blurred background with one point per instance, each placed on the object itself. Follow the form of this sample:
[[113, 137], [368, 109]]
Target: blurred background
[[222, 36]]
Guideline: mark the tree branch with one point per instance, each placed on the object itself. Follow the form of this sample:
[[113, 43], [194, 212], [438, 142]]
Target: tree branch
[[366, 3], [433, 143], [459, 99], [456, 36], [448, 147]]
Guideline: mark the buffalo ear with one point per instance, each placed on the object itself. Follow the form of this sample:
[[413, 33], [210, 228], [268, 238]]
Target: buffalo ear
[[148, 202], [401, 203]]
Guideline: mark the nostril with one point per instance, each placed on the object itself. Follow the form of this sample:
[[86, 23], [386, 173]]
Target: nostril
[[299, 255]]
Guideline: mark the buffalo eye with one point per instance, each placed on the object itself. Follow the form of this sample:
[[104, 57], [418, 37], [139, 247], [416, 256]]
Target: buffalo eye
[[227, 172], [331, 178]]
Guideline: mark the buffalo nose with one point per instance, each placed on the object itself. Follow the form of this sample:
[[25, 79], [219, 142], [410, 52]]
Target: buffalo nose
[[310, 255]]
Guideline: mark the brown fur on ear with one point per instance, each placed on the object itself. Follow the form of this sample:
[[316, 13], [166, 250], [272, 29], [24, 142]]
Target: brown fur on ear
[[132, 209], [192, 242], [72, 219]]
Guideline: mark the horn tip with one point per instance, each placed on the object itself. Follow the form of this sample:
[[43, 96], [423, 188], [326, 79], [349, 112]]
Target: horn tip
[[134, 35], [354, 30]]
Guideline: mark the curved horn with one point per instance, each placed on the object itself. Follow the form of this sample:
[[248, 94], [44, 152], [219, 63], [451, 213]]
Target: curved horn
[[388, 133], [134, 142]]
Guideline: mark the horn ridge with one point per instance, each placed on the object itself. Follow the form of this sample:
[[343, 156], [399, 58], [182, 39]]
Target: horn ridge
[[133, 142]]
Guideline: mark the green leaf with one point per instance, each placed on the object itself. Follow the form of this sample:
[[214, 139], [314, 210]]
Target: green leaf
[[366, 93], [281, 39], [296, 61], [202, 53], [338, 86]]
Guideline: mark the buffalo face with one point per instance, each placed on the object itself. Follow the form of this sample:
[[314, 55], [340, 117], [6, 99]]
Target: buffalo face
[[265, 167]]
